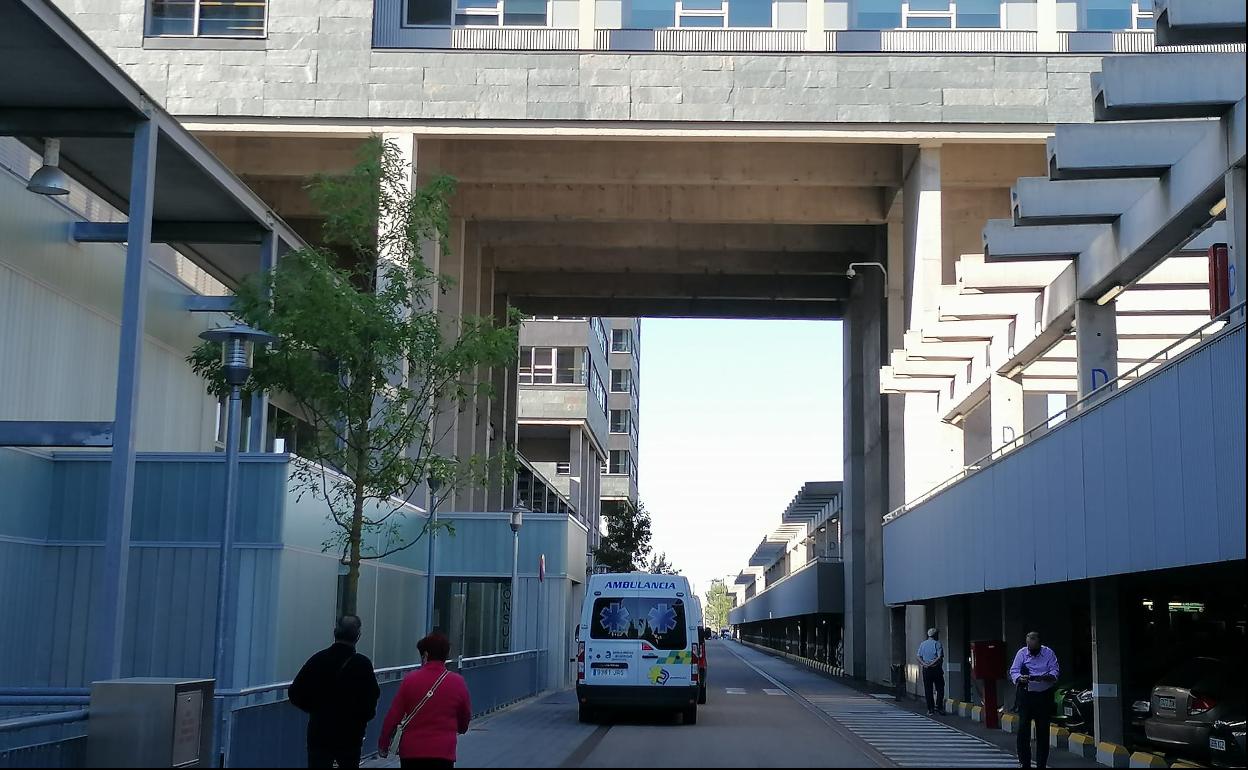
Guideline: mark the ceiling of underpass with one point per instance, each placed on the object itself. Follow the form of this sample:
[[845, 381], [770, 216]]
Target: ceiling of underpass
[[741, 229]]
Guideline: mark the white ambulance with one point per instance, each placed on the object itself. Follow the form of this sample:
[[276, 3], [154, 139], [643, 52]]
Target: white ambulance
[[638, 645]]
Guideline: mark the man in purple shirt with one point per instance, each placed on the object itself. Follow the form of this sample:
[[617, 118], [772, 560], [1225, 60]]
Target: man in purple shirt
[[1035, 671]]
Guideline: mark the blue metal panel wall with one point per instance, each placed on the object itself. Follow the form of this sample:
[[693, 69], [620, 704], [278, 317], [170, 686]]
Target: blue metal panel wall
[[1150, 478], [25, 494]]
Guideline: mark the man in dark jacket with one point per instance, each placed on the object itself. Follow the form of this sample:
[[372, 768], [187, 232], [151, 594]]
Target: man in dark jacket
[[339, 691]]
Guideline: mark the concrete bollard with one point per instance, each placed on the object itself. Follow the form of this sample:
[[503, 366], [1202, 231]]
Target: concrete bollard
[[1112, 755], [1146, 759], [951, 706], [964, 709], [1081, 744], [1009, 722], [1059, 737], [977, 713]]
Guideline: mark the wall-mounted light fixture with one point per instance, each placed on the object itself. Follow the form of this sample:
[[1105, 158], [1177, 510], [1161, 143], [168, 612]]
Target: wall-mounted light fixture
[[851, 272], [1111, 295], [1216, 209], [50, 179]]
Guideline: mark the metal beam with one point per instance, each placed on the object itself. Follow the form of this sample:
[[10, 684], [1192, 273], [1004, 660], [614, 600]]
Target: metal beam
[[1192, 85], [112, 607], [674, 286], [681, 308], [1041, 201], [35, 433], [172, 232], [199, 303], [1117, 150], [67, 123], [1195, 22]]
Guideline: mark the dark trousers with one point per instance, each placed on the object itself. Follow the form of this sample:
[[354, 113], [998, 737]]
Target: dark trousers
[[934, 679], [326, 756], [1034, 707], [425, 764]]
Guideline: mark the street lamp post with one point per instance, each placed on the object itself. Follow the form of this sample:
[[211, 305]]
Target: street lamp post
[[517, 519], [237, 343], [431, 572]]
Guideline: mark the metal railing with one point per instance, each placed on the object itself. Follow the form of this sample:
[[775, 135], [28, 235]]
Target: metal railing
[[44, 740], [692, 40], [1130, 41], [932, 40], [1180, 348]]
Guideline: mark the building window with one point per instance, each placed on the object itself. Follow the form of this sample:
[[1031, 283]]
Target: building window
[[551, 366], [621, 340], [619, 462], [477, 13], [597, 390], [620, 420], [663, 14], [621, 380], [475, 613], [928, 14], [1113, 15], [600, 333], [207, 18]]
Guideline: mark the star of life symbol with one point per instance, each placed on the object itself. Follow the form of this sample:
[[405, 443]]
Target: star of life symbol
[[662, 618], [614, 618]]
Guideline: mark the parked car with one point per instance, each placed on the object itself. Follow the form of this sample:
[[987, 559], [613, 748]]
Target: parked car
[[1074, 709], [1188, 700], [1226, 743]]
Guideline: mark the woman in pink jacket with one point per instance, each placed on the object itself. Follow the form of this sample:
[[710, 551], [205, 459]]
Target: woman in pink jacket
[[430, 737]]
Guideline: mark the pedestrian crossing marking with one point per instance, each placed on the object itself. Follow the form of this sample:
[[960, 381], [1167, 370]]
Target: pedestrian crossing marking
[[735, 690], [771, 691]]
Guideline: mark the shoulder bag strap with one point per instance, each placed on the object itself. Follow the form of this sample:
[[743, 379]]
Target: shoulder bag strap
[[398, 732]]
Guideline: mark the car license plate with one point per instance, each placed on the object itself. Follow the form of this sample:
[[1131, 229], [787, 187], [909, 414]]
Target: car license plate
[[1070, 712], [609, 670], [1165, 703], [1217, 744]]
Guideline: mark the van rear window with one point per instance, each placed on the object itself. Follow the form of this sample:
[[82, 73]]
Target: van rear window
[[659, 620]]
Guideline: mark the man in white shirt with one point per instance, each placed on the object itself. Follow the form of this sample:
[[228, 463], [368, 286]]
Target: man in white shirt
[[931, 657]]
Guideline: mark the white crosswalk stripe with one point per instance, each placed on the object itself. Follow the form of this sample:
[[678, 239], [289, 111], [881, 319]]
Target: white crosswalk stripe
[[772, 691], [908, 739], [735, 690]]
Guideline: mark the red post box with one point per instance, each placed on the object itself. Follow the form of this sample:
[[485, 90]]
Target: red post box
[[1219, 280], [988, 665]]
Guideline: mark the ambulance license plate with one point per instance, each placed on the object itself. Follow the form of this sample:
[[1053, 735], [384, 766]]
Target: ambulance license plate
[[1217, 744], [1165, 702], [609, 670]]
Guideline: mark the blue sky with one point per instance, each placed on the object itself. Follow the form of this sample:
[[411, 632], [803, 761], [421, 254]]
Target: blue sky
[[735, 416]]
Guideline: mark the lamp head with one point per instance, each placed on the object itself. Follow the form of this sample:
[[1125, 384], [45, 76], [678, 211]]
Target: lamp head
[[50, 179], [237, 344], [851, 272], [517, 517]]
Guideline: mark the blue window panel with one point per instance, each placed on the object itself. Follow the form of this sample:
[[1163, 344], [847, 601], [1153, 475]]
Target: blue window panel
[[879, 14], [428, 13], [528, 13], [702, 5], [1200, 489], [651, 14], [702, 21], [929, 22], [473, 20], [749, 13], [1104, 15], [464, 4], [171, 17], [930, 5], [1167, 485], [978, 14]]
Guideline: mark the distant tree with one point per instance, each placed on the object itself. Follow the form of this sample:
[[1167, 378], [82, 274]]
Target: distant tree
[[659, 565], [367, 358], [718, 602], [626, 545]]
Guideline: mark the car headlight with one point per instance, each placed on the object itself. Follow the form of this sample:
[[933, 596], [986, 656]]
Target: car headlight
[[1084, 697], [1141, 706]]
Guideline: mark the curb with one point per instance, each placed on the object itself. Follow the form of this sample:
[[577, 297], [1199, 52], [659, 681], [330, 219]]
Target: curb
[[1081, 744], [1059, 737], [1146, 759], [1009, 722], [1113, 755], [977, 713]]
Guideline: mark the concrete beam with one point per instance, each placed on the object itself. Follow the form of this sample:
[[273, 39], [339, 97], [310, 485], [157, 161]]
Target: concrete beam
[[935, 328], [904, 366], [672, 203], [659, 260], [630, 285], [1116, 150], [988, 165], [1041, 201], [722, 236], [954, 306], [1193, 22], [1013, 276], [1190, 85], [670, 163], [891, 383], [681, 308], [1004, 241]]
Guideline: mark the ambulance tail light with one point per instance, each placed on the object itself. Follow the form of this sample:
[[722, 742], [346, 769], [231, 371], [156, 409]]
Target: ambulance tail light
[[697, 659], [580, 661]]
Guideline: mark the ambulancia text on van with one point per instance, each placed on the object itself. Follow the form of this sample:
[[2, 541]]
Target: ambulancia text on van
[[638, 645]]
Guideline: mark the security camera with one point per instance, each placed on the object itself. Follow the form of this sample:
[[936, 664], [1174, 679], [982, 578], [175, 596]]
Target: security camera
[[850, 273]]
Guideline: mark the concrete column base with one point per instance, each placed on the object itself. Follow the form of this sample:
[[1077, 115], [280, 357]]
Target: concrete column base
[[1009, 722], [1112, 754], [1059, 737], [1081, 744], [977, 713], [1146, 759]]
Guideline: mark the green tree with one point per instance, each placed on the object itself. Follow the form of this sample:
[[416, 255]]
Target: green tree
[[626, 545], [718, 602], [366, 358], [659, 565]]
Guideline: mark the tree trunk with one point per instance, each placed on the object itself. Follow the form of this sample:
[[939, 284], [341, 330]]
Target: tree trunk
[[350, 600]]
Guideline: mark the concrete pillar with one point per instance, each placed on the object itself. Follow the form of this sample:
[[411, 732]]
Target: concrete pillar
[[1236, 216], [816, 39], [466, 416], [1046, 26], [867, 626], [924, 245], [587, 25], [482, 440], [1096, 344], [953, 621], [1107, 671], [577, 466], [934, 448], [1005, 404], [898, 668]]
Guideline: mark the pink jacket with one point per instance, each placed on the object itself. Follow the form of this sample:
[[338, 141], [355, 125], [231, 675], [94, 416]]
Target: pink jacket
[[432, 734]]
